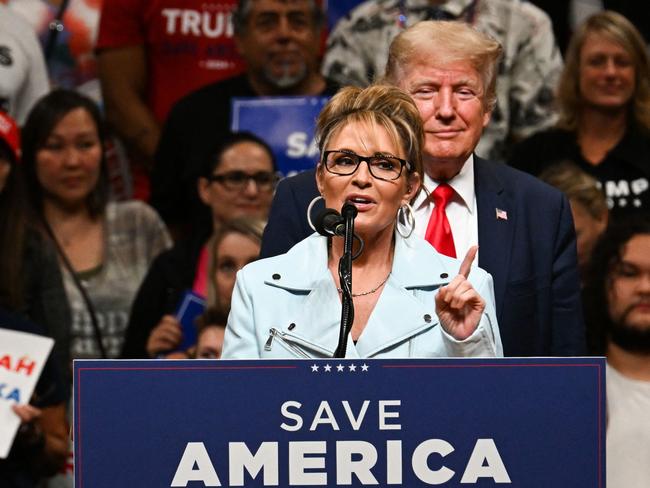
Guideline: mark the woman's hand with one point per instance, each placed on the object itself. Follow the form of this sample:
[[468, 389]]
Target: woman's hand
[[458, 306], [30, 432], [42, 437], [165, 337], [27, 413]]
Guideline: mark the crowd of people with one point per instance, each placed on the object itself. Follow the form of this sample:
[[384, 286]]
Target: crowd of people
[[501, 180]]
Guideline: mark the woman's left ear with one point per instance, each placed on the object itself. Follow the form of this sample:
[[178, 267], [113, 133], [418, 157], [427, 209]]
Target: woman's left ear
[[412, 187], [319, 178]]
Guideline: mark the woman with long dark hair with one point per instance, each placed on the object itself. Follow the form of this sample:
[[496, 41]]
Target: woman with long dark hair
[[104, 247]]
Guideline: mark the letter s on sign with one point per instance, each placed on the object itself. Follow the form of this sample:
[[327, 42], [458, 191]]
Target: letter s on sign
[[297, 145], [292, 416]]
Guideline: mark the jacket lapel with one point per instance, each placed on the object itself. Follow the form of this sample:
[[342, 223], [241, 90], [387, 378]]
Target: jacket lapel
[[315, 323], [495, 232], [321, 316], [399, 314], [397, 317]]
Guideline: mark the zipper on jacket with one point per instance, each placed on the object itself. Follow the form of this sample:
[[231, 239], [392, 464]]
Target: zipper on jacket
[[281, 337]]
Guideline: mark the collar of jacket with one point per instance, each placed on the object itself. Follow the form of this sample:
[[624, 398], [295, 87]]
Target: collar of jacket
[[398, 315], [415, 265]]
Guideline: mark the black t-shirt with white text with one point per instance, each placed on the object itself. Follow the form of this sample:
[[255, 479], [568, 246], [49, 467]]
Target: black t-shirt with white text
[[624, 174]]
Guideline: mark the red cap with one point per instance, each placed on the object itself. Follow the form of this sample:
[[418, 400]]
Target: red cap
[[10, 134]]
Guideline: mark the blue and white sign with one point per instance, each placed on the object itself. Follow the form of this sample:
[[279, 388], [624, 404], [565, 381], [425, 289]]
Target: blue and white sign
[[22, 359], [526, 423], [286, 124]]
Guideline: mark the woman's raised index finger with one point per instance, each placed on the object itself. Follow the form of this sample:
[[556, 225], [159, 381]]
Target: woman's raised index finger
[[466, 265]]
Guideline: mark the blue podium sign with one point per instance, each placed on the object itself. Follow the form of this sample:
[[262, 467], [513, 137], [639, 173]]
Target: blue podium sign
[[286, 124], [527, 423]]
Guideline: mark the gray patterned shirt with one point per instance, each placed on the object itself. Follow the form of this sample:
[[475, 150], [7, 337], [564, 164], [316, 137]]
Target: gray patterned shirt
[[134, 236], [357, 50]]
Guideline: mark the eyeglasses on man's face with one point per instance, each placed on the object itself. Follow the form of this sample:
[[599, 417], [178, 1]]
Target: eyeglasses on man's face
[[382, 166], [237, 180]]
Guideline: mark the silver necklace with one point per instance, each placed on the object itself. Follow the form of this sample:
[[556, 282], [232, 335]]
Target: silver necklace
[[370, 292]]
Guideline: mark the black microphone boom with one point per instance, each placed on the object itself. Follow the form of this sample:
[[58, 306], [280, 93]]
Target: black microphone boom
[[349, 212], [330, 223]]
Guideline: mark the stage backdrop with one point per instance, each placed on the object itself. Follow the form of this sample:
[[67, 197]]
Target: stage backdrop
[[526, 423]]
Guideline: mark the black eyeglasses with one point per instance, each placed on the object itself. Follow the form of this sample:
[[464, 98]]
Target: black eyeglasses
[[381, 166], [237, 180]]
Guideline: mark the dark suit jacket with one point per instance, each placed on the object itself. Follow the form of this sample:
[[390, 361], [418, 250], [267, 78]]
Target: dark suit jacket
[[531, 254]]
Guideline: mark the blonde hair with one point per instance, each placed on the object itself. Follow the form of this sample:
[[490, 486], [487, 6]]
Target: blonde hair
[[618, 29], [443, 42], [578, 186], [384, 105], [251, 227]]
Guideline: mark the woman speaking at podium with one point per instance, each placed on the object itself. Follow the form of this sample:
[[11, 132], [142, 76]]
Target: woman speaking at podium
[[409, 300]]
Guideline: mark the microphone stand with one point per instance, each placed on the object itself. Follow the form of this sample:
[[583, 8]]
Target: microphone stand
[[349, 212]]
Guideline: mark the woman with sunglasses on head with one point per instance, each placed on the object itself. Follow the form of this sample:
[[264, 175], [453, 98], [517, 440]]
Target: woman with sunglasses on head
[[238, 182], [409, 301]]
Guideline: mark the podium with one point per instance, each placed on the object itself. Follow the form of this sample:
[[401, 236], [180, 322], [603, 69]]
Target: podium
[[529, 423]]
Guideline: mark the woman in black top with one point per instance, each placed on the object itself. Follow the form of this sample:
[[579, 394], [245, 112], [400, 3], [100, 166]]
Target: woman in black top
[[604, 105]]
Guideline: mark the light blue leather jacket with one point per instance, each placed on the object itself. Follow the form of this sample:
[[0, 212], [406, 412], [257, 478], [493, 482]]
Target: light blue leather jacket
[[287, 306]]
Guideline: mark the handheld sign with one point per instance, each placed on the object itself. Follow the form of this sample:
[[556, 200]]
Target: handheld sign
[[189, 308], [285, 123], [22, 357], [533, 423]]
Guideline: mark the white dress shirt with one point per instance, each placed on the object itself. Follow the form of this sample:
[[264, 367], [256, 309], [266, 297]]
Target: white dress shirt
[[461, 209]]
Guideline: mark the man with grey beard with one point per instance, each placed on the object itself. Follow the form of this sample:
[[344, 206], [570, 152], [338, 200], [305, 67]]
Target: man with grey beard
[[617, 306], [280, 41]]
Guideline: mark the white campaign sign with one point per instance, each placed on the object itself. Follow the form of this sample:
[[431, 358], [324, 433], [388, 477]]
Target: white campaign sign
[[22, 357]]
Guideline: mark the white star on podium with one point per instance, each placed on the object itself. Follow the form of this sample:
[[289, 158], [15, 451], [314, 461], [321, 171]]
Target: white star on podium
[[327, 368], [352, 367], [340, 368], [314, 368], [364, 367]]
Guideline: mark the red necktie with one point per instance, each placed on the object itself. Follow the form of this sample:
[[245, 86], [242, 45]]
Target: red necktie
[[438, 230]]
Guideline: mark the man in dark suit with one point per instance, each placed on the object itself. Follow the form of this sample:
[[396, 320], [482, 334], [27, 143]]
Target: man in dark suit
[[523, 227]]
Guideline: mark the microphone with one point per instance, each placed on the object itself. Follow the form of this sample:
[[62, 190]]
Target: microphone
[[330, 223], [349, 211]]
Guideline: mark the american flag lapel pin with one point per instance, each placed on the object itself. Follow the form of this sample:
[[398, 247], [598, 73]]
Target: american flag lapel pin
[[501, 214]]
